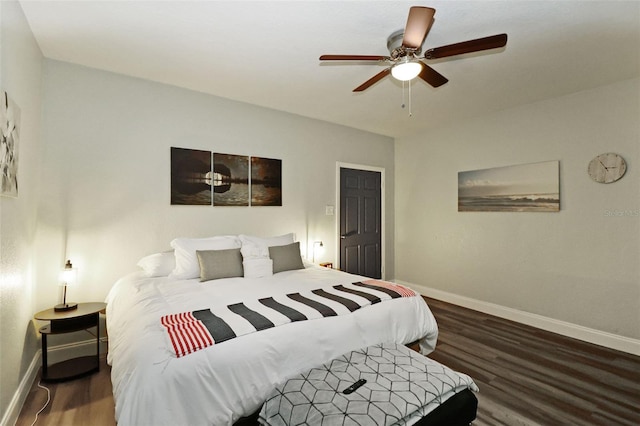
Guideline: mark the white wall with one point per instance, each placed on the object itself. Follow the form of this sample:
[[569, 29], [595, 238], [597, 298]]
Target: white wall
[[21, 77], [580, 265], [106, 183]]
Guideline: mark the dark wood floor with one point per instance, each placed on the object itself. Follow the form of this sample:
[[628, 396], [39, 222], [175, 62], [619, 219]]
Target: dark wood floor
[[84, 401], [526, 377]]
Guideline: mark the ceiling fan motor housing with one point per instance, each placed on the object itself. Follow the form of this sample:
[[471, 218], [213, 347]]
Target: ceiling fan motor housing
[[396, 49]]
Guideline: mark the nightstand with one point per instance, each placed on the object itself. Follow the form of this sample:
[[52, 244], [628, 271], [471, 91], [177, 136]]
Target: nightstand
[[86, 316], [327, 265]]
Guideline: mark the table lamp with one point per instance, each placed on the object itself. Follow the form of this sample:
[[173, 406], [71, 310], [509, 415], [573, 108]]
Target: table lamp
[[320, 245], [68, 276]]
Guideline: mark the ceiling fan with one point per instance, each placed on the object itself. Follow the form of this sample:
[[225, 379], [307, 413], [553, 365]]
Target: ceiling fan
[[405, 48]]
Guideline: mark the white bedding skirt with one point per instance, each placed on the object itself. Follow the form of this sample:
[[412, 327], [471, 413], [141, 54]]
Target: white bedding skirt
[[219, 384]]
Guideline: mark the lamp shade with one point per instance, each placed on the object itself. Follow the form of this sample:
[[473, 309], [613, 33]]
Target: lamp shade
[[406, 70], [68, 275]]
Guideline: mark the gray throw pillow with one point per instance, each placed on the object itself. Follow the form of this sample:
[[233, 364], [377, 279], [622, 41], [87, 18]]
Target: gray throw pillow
[[216, 264], [286, 258]]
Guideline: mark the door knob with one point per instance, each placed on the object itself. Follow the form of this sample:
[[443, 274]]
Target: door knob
[[348, 234]]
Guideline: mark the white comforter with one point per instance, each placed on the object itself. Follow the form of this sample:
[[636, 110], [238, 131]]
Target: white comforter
[[220, 384]]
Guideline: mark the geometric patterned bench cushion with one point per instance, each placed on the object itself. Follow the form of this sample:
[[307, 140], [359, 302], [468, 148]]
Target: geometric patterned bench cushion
[[402, 387]]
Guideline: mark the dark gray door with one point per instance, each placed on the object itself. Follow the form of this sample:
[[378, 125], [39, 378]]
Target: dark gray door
[[360, 222]]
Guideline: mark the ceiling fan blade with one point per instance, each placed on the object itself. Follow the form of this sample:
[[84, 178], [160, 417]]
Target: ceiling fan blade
[[382, 74], [353, 58], [469, 46], [418, 23], [431, 76]]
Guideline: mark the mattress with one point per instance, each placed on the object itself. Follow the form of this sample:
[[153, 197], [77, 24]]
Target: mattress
[[224, 382]]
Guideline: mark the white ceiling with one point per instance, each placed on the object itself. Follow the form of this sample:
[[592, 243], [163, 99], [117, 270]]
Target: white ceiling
[[266, 52]]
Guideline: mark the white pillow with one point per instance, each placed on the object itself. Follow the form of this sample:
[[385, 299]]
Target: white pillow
[[257, 247], [187, 266], [158, 264], [257, 268]]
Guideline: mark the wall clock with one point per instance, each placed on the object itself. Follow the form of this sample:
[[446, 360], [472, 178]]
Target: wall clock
[[607, 168]]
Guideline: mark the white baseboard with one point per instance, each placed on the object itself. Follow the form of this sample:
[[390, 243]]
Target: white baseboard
[[20, 396], [609, 340], [55, 354]]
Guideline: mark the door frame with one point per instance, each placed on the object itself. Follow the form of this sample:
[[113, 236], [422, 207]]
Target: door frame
[[381, 170]]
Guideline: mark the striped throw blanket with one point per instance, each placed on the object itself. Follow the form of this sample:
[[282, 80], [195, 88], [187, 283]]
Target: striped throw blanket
[[192, 331]]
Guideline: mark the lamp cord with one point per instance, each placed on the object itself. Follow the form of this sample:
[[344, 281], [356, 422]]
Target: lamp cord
[[45, 404]]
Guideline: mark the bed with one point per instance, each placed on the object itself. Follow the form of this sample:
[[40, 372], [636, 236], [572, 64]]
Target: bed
[[227, 381]]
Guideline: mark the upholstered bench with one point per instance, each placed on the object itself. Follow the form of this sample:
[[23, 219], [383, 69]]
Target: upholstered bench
[[385, 384]]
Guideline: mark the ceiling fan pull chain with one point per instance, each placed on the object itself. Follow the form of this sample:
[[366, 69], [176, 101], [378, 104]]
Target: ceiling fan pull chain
[[409, 84], [404, 88]]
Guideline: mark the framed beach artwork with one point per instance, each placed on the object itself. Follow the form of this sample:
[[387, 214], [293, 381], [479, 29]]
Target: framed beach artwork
[[191, 177], [266, 182], [230, 180], [520, 188], [9, 138]]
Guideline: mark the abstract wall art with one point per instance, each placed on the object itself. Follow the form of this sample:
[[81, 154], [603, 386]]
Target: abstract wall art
[[266, 182], [207, 178], [230, 180], [191, 177], [9, 138]]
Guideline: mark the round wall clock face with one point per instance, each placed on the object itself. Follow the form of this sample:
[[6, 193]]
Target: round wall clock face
[[607, 168]]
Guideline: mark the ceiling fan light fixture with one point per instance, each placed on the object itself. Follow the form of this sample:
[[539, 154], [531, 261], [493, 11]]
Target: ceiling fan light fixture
[[406, 70]]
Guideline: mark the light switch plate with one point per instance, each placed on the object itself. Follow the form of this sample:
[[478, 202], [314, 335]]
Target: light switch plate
[[329, 210]]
